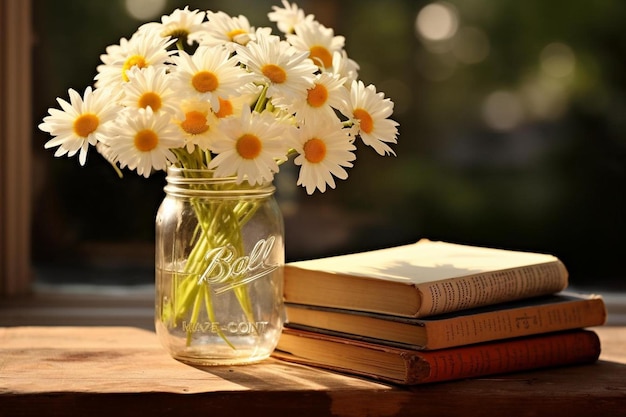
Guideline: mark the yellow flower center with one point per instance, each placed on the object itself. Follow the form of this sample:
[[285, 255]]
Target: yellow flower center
[[321, 56], [146, 140], [234, 33], [204, 81], [315, 150], [317, 96], [86, 124], [133, 61], [150, 99], [365, 120], [194, 123], [226, 108], [276, 74], [249, 146]]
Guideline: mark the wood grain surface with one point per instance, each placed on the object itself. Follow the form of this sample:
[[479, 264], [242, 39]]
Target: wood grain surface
[[120, 371]]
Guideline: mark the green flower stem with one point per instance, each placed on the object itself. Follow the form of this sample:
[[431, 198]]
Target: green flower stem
[[261, 102], [211, 313], [194, 317], [219, 224]]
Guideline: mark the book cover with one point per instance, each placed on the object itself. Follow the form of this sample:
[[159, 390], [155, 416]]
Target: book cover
[[562, 311], [423, 279], [411, 367]]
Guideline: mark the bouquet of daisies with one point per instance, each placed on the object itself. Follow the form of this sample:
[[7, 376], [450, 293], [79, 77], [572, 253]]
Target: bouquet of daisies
[[205, 90]]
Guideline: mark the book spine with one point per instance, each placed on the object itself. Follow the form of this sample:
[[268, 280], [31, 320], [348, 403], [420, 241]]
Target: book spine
[[503, 324], [491, 287], [536, 352]]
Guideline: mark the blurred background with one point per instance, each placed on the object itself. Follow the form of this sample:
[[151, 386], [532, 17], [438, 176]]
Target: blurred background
[[512, 135]]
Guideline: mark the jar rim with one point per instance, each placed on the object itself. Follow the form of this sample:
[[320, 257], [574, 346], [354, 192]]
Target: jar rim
[[204, 171], [192, 181]]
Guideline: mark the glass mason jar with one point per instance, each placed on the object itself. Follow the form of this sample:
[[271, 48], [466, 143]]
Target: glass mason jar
[[219, 269]]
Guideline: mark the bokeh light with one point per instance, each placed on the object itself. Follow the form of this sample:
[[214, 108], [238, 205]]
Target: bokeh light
[[503, 110], [145, 9], [437, 21], [471, 45], [558, 60]]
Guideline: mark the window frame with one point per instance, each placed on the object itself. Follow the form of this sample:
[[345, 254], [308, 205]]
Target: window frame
[[16, 42]]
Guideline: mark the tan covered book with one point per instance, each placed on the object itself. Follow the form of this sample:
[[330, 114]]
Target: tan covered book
[[423, 279], [545, 314], [409, 367]]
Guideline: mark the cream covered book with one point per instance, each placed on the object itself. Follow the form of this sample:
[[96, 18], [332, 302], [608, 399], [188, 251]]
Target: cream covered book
[[423, 279]]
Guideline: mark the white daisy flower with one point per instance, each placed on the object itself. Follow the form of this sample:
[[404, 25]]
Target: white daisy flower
[[81, 123], [115, 53], [324, 149], [222, 29], [287, 72], [183, 25], [251, 147], [240, 104], [345, 67], [288, 16], [144, 49], [150, 87], [327, 94], [142, 140], [208, 74], [370, 112], [318, 40], [198, 125]]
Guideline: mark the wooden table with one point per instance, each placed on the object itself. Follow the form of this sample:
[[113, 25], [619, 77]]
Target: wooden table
[[123, 371]]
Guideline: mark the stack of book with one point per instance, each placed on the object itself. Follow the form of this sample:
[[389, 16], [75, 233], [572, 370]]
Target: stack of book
[[436, 311]]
